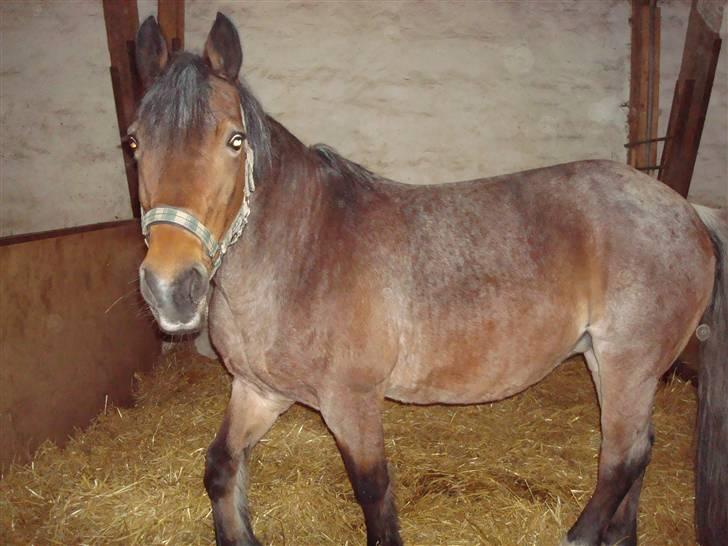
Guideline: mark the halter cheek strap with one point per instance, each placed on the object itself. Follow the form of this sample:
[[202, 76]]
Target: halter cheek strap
[[176, 216]]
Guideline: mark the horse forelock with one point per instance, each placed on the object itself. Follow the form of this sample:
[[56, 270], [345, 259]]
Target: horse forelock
[[177, 104], [177, 107]]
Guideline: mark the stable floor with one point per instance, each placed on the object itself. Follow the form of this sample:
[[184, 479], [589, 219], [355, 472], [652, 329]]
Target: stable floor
[[508, 473]]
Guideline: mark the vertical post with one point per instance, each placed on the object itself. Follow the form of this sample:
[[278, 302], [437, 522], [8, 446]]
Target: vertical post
[[644, 83], [171, 15], [692, 94], [122, 19]]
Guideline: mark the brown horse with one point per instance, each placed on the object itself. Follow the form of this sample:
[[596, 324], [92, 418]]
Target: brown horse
[[347, 288]]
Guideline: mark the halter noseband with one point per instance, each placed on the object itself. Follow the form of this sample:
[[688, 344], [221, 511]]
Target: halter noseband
[[215, 250]]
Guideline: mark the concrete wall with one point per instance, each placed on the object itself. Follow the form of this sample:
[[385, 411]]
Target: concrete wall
[[60, 165], [419, 91], [440, 91]]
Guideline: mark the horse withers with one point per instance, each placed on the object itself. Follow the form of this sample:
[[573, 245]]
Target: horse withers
[[344, 288]]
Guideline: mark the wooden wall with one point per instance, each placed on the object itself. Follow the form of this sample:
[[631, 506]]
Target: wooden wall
[[73, 331]]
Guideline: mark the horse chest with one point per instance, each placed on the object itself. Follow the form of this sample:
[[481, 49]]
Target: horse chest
[[248, 339]]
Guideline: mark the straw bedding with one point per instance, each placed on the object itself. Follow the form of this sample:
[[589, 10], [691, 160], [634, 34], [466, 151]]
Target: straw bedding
[[508, 473]]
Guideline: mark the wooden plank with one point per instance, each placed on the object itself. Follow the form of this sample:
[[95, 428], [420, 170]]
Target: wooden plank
[[654, 100], [681, 99], [123, 120], [635, 80], [62, 232], [122, 19], [697, 72], [644, 83], [644, 77], [171, 15], [71, 332]]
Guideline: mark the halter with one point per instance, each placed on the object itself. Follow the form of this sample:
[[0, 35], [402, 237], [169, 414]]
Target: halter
[[215, 250]]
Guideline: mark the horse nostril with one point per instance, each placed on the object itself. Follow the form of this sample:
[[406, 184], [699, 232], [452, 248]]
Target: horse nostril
[[150, 284], [193, 283]]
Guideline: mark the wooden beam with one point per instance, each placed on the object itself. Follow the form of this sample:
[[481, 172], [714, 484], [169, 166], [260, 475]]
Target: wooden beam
[[644, 83], [692, 94], [122, 20], [171, 15]]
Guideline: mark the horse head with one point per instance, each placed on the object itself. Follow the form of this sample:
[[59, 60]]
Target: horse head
[[195, 169]]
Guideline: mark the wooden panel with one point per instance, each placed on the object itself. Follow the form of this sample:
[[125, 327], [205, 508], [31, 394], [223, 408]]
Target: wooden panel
[[692, 95], [171, 15], [654, 102], [644, 84], [122, 20], [72, 332]]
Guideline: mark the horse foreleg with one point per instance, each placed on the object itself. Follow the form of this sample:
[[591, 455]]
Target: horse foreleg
[[356, 423], [248, 417]]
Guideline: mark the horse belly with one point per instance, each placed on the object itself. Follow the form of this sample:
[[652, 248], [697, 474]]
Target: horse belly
[[465, 369]]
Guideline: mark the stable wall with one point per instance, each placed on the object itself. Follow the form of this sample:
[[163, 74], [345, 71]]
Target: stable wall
[[428, 92], [60, 164], [73, 332], [419, 91], [431, 92]]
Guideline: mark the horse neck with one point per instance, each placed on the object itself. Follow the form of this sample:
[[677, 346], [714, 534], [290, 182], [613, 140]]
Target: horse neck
[[291, 203]]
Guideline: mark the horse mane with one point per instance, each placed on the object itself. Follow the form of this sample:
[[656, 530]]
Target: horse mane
[[178, 104], [342, 166]]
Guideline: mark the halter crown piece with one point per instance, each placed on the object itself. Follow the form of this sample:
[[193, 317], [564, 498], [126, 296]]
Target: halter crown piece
[[177, 216]]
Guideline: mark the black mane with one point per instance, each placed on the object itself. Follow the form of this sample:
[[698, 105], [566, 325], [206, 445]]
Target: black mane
[[178, 104], [342, 166]]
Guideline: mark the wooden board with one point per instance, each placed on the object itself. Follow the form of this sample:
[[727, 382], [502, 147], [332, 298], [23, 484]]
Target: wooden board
[[73, 331], [122, 20], [692, 95], [171, 15], [644, 97]]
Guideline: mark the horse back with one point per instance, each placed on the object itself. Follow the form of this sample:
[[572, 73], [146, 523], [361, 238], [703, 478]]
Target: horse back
[[507, 274], [453, 293]]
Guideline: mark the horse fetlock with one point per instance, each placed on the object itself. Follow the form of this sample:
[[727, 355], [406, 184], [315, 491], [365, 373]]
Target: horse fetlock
[[247, 540], [382, 522]]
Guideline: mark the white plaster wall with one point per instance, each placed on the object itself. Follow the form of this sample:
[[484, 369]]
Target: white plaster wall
[[439, 91], [60, 164], [419, 91]]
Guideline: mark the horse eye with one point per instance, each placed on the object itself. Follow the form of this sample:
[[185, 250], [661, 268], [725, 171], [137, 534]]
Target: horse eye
[[236, 141], [133, 144]]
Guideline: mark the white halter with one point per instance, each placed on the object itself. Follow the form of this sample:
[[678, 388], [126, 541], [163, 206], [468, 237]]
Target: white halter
[[174, 215]]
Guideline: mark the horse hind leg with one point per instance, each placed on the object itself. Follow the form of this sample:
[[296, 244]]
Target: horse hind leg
[[626, 385]]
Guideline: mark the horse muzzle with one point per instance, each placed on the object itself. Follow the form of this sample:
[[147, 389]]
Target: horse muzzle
[[178, 303]]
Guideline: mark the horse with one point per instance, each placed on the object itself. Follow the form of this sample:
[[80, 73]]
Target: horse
[[327, 285]]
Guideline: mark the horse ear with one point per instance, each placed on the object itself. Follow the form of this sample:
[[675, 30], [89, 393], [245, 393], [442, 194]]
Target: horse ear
[[151, 51], [222, 49]]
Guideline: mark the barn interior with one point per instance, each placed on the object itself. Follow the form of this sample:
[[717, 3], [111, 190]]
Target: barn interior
[[104, 422]]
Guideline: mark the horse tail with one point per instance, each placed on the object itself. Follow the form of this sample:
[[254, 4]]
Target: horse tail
[[711, 464]]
